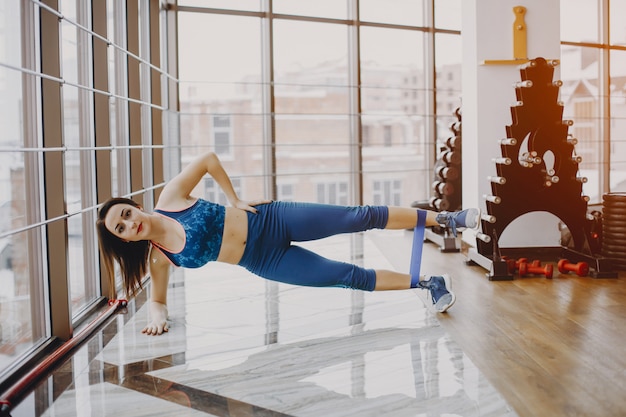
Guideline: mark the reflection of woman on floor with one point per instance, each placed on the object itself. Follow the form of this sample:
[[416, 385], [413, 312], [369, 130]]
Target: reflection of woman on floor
[[189, 232]]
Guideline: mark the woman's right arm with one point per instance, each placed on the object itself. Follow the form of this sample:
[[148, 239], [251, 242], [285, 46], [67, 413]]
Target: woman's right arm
[[159, 277]]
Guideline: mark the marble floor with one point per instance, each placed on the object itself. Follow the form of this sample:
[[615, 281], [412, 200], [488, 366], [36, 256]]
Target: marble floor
[[242, 346]]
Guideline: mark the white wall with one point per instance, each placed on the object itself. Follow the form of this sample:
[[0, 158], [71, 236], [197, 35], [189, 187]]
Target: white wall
[[488, 92]]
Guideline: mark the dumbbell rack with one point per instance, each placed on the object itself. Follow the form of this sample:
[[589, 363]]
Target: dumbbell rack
[[447, 193], [538, 171]]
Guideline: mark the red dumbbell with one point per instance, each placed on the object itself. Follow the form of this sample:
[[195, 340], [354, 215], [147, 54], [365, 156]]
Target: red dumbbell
[[513, 265], [581, 268], [525, 269]]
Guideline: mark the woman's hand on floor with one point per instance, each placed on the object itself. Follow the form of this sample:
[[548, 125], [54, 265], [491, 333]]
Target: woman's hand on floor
[[158, 325]]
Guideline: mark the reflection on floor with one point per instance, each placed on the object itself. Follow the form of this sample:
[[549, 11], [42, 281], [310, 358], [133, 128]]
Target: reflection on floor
[[243, 346]]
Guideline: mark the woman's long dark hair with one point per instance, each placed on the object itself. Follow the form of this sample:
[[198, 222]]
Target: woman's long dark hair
[[131, 256]]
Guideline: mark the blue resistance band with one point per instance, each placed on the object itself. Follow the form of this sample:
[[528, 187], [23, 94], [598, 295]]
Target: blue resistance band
[[418, 244]]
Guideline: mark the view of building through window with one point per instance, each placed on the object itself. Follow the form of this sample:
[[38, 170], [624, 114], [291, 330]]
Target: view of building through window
[[313, 96], [601, 145]]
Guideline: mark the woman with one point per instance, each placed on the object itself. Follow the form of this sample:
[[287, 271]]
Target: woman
[[189, 232]]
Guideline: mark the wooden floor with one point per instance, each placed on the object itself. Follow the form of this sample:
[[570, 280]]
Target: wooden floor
[[551, 347]]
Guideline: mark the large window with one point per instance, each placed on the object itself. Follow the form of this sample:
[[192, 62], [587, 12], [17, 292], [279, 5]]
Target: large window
[[593, 63], [317, 95], [395, 114], [78, 138], [312, 106], [23, 309], [221, 94], [617, 151], [81, 111]]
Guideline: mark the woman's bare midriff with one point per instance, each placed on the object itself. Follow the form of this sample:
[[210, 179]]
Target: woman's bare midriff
[[235, 236]]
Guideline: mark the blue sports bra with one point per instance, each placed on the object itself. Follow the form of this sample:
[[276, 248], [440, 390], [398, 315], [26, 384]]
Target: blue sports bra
[[203, 223]]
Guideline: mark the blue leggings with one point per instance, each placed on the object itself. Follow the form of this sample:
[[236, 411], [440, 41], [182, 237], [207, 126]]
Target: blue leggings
[[270, 254]]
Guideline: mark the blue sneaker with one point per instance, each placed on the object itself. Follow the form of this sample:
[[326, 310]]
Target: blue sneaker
[[459, 220], [439, 288]]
